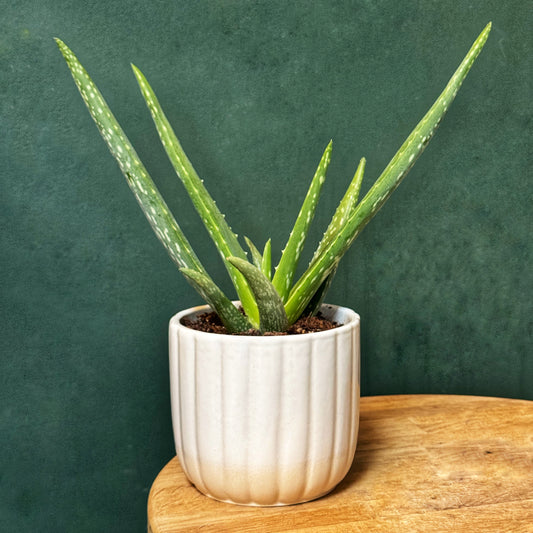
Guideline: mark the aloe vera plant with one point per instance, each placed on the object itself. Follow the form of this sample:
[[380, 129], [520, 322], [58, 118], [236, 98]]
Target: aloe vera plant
[[271, 301]]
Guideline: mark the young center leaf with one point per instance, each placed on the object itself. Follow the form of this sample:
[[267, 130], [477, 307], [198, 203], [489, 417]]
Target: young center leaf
[[266, 263], [271, 311]]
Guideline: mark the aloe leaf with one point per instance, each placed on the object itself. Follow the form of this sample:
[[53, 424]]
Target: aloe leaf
[[342, 213], [271, 311], [154, 207], [231, 317], [395, 171], [225, 240], [266, 264], [344, 210], [318, 298], [257, 259], [291, 254]]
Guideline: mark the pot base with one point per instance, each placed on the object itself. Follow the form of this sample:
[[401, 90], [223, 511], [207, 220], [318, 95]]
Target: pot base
[[274, 486], [277, 504]]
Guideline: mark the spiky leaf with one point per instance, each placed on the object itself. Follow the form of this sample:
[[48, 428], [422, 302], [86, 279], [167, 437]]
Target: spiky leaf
[[266, 264], [395, 171], [257, 259], [271, 311], [344, 210], [291, 254], [318, 298], [231, 317], [154, 207], [225, 240]]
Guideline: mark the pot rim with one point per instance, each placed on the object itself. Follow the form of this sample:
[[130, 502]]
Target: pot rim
[[351, 320]]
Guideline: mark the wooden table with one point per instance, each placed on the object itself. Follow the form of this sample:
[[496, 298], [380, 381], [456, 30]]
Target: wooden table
[[423, 464]]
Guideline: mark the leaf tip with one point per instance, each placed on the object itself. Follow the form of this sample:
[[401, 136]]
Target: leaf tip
[[486, 31], [235, 261], [61, 45], [484, 35], [138, 74]]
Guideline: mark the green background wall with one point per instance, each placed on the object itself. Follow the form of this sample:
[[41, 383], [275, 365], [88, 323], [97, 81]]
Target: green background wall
[[441, 277]]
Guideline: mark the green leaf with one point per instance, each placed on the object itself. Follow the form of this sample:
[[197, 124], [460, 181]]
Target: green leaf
[[231, 317], [256, 254], [225, 240], [266, 264], [154, 207], [318, 298], [291, 254], [344, 210], [261, 261], [271, 311], [395, 171]]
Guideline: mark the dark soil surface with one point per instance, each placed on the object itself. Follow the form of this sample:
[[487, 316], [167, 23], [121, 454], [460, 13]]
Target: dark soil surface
[[211, 323]]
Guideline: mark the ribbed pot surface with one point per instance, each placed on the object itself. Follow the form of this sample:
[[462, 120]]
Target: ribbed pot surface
[[265, 420]]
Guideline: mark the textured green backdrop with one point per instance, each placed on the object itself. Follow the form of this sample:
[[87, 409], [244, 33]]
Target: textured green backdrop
[[441, 277]]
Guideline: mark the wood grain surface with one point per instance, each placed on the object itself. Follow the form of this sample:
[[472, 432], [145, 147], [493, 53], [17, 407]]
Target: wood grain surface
[[424, 463]]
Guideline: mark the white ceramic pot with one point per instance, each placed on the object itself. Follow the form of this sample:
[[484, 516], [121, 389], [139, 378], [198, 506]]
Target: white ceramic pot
[[265, 420]]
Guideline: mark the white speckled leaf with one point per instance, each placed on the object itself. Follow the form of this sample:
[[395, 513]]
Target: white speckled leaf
[[344, 210], [256, 254], [154, 207], [291, 254], [225, 240], [342, 213], [271, 311], [144, 189], [395, 171], [231, 317], [266, 263]]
